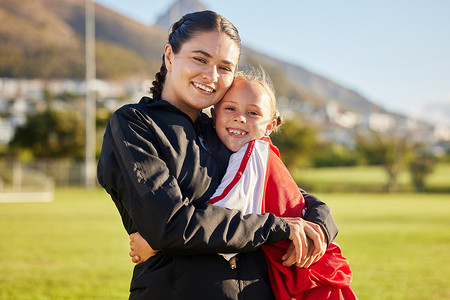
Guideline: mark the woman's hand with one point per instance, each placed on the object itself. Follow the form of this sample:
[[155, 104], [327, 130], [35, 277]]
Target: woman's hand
[[140, 249], [299, 253], [315, 250], [314, 253]]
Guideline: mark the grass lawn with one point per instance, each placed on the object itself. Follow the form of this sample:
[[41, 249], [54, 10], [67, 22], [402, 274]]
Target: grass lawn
[[367, 179], [76, 248], [397, 244], [72, 248]]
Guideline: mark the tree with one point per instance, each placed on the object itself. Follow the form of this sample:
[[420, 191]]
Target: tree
[[296, 143], [334, 155], [420, 167], [51, 134], [385, 150]]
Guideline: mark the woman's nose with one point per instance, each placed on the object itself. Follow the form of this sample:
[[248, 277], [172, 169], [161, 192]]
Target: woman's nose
[[211, 74]]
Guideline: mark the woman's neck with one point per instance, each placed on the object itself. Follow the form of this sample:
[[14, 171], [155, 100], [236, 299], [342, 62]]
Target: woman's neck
[[193, 113]]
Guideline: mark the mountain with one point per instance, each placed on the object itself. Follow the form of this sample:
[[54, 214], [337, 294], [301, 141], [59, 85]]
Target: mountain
[[440, 110], [45, 39], [323, 88], [304, 85], [176, 11]]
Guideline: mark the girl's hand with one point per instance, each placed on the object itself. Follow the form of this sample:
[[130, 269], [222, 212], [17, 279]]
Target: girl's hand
[[140, 249]]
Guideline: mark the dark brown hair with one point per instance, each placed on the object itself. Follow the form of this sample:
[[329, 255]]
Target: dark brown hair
[[185, 29]]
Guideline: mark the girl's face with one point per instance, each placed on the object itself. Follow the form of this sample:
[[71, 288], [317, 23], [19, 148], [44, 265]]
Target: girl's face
[[244, 114], [201, 72]]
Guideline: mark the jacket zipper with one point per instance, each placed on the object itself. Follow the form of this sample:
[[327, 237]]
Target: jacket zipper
[[232, 262]]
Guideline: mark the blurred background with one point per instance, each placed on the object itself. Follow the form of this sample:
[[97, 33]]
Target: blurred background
[[364, 90]]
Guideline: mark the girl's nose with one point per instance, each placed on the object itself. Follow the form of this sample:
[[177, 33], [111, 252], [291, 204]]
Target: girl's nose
[[240, 118]]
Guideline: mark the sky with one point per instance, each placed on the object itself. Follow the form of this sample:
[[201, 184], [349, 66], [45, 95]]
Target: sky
[[394, 53]]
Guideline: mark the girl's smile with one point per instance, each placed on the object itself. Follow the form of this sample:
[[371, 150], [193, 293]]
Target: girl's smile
[[244, 114]]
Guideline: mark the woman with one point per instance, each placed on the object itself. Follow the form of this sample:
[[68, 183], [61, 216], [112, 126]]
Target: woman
[[161, 161]]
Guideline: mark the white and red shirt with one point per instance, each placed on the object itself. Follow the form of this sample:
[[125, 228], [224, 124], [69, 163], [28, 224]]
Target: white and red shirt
[[257, 181]]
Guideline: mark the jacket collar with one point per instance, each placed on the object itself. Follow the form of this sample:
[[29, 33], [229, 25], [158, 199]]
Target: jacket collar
[[163, 104], [150, 102]]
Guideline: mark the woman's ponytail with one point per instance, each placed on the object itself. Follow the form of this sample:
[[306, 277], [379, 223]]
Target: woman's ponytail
[[158, 83]]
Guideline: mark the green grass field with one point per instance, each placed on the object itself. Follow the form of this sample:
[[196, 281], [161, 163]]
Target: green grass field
[[76, 248], [397, 244], [367, 179]]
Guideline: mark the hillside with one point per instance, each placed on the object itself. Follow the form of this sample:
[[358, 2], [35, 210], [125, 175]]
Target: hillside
[[176, 10], [316, 86], [45, 39]]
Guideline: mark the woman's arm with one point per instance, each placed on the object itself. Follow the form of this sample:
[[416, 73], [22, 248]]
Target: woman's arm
[[132, 171], [318, 218], [319, 213]]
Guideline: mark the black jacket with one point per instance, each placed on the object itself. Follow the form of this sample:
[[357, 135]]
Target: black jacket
[[160, 168]]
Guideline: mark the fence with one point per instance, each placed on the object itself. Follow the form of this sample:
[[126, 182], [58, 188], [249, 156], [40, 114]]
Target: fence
[[35, 181]]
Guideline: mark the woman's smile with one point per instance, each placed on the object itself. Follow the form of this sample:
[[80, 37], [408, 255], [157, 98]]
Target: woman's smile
[[203, 88]]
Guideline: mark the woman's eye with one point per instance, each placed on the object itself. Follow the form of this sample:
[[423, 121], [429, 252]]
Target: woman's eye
[[202, 60], [225, 69]]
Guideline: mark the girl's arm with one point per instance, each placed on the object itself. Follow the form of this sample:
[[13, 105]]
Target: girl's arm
[[140, 249]]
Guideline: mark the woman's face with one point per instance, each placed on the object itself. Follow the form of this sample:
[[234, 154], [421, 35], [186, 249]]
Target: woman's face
[[244, 114], [201, 72]]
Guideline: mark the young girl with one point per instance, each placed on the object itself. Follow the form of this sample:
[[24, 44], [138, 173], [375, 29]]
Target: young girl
[[256, 181], [244, 119]]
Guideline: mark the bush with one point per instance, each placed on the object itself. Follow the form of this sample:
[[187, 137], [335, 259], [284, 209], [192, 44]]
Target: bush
[[51, 134], [335, 155], [419, 169]]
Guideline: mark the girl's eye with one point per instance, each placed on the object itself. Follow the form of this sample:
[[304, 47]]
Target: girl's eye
[[253, 113], [229, 108]]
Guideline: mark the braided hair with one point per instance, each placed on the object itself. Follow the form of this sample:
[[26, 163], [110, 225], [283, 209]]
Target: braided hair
[[185, 29]]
